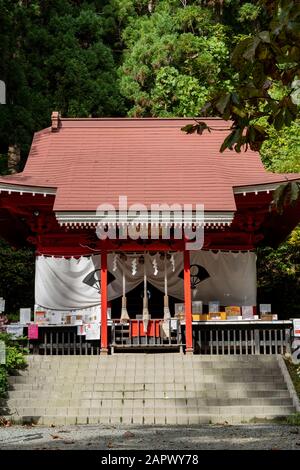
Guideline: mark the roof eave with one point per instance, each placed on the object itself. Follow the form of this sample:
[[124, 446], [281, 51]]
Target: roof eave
[[27, 189], [264, 187], [92, 218]]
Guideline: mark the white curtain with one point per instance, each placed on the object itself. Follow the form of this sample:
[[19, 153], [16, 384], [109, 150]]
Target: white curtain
[[64, 284]]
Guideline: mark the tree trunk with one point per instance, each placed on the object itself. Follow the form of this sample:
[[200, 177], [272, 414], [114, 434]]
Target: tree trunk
[[151, 5], [14, 157]]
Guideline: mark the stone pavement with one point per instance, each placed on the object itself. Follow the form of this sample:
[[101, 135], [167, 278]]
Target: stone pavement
[[105, 437]]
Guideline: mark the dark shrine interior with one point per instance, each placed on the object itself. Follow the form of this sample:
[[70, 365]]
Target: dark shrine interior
[[135, 303]]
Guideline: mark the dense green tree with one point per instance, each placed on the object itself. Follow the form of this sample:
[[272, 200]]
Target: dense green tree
[[279, 270], [279, 277], [53, 56], [263, 62], [175, 58], [17, 277], [281, 151]]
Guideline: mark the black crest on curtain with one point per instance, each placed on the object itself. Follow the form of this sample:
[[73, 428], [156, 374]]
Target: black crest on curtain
[[93, 279], [198, 274]]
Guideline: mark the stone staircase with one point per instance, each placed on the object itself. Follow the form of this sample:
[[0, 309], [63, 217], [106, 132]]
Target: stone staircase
[[147, 389]]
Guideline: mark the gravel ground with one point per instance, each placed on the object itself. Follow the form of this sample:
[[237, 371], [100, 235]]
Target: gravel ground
[[259, 436]]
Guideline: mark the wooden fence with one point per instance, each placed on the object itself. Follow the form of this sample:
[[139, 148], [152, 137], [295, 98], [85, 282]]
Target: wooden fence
[[160, 335], [208, 338], [63, 340], [242, 339]]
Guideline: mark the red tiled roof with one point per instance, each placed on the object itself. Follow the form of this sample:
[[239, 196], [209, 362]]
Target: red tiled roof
[[92, 161]]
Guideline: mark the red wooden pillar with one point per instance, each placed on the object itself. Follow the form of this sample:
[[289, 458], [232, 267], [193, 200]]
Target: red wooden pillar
[[188, 303], [103, 283]]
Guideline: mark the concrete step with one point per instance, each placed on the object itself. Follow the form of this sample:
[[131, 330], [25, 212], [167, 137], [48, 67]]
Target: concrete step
[[121, 387], [113, 361], [279, 410], [155, 360], [149, 389], [150, 419], [211, 364], [151, 401], [179, 375], [167, 397], [149, 359], [99, 379], [68, 395]]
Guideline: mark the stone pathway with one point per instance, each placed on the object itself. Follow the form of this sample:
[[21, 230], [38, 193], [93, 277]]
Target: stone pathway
[[100, 437]]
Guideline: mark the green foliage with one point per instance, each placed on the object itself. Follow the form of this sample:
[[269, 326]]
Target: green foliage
[[266, 59], [249, 11], [53, 57], [174, 60], [15, 360], [3, 381], [176, 94], [79, 67], [286, 195], [281, 152], [173, 56], [294, 371], [279, 277], [293, 419], [17, 277], [279, 270], [3, 164]]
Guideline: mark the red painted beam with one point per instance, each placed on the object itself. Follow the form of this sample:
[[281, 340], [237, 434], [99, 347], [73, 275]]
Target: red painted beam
[[103, 283], [188, 303], [141, 247], [73, 248]]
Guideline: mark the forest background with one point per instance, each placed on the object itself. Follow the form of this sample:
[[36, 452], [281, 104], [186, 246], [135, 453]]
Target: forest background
[[159, 58]]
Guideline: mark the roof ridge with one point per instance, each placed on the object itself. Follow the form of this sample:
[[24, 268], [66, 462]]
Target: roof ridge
[[120, 118]]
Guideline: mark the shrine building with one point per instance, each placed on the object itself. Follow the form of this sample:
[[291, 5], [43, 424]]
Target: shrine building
[[145, 238]]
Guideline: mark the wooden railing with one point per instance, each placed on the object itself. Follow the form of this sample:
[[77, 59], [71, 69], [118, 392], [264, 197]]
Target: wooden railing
[[218, 338], [63, 340], [160, 334], [242, 339]]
